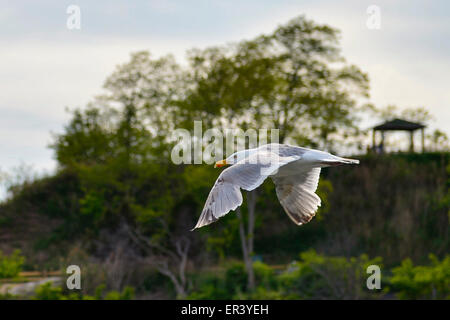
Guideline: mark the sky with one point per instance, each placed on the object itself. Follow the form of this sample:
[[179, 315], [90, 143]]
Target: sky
[[46, 68]]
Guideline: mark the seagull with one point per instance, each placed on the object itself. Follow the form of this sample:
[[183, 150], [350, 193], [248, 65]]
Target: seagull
[[294, 170]]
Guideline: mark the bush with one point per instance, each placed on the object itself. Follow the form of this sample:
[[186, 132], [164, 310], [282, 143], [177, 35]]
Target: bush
[[264, 275], [315, 276], [261, 293], [210, 286], [220, 286], [7, 296], [235, 278], [126, 294], [320, 277], [10, 266], [47, 291], [422, 282], [232, 283]]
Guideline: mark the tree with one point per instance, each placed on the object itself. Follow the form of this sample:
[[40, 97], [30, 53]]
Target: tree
[[316, 92], [283, 80], [86, 139], [153, 87], [438, 141], [293, 79]]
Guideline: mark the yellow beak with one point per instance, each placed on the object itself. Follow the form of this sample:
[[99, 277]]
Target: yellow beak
[[220, 163]]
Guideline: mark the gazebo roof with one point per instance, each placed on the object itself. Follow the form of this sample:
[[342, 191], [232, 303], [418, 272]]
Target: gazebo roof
[[399, 124]]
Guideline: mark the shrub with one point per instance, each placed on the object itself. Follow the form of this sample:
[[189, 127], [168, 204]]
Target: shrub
[[126, 294], [47, 291], [7, 296], [10, 266], [235, 278], [210, 286], [320, 277], [262, 293], [232, 283], [422, 282], [264, 275]]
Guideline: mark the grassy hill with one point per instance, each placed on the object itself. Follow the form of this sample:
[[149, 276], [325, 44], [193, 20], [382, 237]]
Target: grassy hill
[[392, 206]]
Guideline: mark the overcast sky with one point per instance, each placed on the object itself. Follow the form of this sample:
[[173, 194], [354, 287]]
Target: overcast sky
[[45, 67]]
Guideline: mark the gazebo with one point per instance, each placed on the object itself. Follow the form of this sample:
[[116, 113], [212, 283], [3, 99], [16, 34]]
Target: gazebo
[[398, 125]]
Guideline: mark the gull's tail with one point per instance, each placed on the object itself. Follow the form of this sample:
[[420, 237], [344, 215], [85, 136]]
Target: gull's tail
[[349, 161], [336, 161]]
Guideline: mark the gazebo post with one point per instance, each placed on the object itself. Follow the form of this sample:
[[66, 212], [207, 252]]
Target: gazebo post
[[373, 140], [411, 145]]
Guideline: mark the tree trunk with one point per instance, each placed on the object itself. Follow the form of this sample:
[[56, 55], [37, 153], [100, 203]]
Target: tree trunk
[[163, 268], [251, 204], [247, 238]]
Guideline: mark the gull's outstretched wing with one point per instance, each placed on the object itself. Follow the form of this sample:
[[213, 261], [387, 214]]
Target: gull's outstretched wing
[[247, 174], [297, 194]]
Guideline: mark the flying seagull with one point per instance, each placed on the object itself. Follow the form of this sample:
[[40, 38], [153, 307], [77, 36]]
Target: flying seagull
[[294, 170]]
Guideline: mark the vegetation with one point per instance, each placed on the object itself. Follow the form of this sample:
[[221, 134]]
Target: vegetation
[[10, 266], [422, 282], [49, 292], [316, 276], [121, 209]]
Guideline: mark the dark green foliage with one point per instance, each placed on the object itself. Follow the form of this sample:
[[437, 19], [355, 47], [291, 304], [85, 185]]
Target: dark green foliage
[[235, 277], [390, 206], [230, 282], [315, 276], [49, 292]]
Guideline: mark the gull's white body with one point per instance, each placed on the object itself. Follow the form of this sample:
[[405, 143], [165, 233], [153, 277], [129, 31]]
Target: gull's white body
[[294, 170]]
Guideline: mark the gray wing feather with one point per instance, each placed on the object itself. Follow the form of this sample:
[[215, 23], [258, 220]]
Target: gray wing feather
[[285, 150], [297, 195], [223, 197], [247, 174]]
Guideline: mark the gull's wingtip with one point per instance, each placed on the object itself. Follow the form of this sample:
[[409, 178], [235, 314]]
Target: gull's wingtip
[[198, 226]]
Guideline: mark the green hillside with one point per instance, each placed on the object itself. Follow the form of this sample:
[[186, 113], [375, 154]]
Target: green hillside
[[393, 207]]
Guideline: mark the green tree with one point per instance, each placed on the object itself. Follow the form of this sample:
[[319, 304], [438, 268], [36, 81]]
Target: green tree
[[293, 79], [283, 80], [128, 183]]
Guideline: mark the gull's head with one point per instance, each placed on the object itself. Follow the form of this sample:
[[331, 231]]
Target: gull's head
[[234, 158], [221, 163]]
